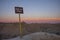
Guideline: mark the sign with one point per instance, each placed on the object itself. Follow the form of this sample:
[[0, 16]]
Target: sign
[[19, 10]]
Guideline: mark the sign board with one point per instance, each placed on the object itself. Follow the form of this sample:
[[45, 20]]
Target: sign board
[[19, 10]]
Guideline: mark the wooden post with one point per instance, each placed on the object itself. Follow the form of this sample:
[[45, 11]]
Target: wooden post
[[19, 10], [20, 26]]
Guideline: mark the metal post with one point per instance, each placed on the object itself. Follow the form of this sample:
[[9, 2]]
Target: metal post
[[20, 26]]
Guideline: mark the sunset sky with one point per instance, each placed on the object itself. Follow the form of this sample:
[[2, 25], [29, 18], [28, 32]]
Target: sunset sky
[[34, 11]]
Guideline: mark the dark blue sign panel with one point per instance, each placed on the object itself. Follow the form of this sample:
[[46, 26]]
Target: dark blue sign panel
[[19, 10]]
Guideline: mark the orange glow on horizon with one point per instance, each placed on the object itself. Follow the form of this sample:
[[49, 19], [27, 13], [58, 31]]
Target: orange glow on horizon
[[31, 19], [41, 19]]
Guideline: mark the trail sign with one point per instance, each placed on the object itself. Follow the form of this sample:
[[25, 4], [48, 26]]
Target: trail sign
[[19, 10]]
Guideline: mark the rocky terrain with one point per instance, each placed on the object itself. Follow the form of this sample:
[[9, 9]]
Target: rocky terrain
[[37, 36], [10, 30]]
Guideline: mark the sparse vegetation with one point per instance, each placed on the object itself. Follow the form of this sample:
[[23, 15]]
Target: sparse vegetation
[[11, 29]]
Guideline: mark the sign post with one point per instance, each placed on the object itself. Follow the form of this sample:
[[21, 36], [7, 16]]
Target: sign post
[[19, 10]]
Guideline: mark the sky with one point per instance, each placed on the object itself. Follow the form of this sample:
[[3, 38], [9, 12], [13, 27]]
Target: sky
[[34, 11]]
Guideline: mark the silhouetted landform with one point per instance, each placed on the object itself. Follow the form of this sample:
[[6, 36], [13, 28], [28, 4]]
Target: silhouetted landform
[[10, 30]]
